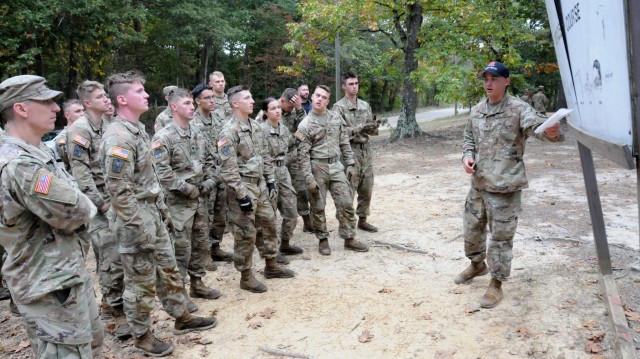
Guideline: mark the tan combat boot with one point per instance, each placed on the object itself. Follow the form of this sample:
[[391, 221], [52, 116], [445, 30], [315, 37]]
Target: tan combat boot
[[199, 290], [217, 254], [280, 258], [190, 323], [493, 296], [307, 226], [250, 283], [475, 269], [324, 248], [153, 346], [366, 226], [353, 245], [287, 248], [273, 270]]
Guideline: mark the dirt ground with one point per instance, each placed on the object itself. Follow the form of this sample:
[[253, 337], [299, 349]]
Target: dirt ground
[[399, 300]]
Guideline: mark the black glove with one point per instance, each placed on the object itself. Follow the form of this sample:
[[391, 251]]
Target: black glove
[[273, 191], [245, 204]]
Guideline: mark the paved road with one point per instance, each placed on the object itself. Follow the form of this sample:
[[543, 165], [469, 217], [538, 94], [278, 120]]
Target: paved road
[[427, 115]]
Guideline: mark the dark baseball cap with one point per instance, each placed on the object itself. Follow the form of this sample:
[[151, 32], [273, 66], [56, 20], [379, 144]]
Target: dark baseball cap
[[495, 68], [25, 87], [199, 88]]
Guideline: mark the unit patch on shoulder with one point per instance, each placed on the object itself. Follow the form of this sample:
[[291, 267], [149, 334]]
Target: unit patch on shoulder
[[81, 141], [120, 152], [77, 150], [117, 165], [44, 182]]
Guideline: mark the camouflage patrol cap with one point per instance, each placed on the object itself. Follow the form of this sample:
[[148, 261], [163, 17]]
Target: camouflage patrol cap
[[495, 68], [540, 87], [168, 90], [24, 87]]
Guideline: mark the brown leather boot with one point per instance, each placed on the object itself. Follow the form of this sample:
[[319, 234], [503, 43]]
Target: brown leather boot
[[199, 290], [217, 254], [273, 270], [282, 259], [366, 226], [353, 245], [250, 283], [307, 226], [475, 269], [493, 296], [106, 311], [122, 330], [287, 248], [190, 323], [153, 346], [324, 248]]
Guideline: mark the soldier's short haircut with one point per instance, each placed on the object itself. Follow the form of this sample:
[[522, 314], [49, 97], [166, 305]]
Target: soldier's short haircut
[[324, 87], [303, 84], [86, 88], [120, 83], [176, 95], [288, 94], [216, 74], [69, 103], [349, 75], [233, 92]]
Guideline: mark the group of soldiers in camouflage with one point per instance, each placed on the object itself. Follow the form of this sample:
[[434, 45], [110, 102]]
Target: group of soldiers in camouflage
[[154, 210], [538, 101]]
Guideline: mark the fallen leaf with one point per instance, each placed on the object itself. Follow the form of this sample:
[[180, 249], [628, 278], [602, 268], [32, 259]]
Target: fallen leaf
[[524, 332], [249, 316], [471, 308], [205, 341], [24, 344], [444, 354], [213, 313], [365, 337], [427, 317], [386, 290], [184, 339], [597, 337], [417, 304], [255, 325], [592, 347], [267, 313], [109, 326], [632, 316], [589, 325]]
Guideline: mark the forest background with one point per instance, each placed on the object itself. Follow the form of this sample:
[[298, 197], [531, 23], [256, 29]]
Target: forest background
[[407, 53]]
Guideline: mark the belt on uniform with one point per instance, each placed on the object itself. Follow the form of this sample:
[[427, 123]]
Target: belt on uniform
[[360, 146], [279, 163], [252, 180], [326, 160]]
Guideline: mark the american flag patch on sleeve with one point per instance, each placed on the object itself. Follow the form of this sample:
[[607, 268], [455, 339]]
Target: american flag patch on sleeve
[[44, 182], [222, 142], [120, 152], [155, 145], [81, 141]]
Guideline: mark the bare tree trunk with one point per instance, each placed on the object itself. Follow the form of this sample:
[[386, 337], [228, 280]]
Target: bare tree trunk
[[246, 76], [72, 73], [407, 125], [215, 57], [204, 63], [383, 97]]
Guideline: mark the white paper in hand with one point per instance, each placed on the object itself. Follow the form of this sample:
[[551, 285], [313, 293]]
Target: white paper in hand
[[555, 118]]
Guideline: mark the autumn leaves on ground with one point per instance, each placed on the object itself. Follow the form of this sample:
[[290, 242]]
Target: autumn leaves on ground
[[399, 301]]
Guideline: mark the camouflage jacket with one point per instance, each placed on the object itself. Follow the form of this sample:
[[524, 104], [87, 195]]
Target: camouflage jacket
[[182, 156], [357, 116], [164, 118], [322, 137], [60, 142], [244, 153], [497, 140], [130, 179], [222, 108], [539, 101], [279, 142], [83, 143], [40, 212], [211, 127]]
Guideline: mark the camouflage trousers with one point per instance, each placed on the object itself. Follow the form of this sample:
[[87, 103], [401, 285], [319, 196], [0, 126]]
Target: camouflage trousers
[[362, 180], [300, 185], [244, 224], [286, 204], [65, 324], [217, 214], [331, 177], [110, 272], [146, 272], [191, 242], [500, 211]]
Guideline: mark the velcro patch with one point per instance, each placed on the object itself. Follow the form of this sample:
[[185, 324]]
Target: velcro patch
[[222, 142], [81, 141], [120, 152], [44, 182], [117, 165], [155, 145], [299, 135]]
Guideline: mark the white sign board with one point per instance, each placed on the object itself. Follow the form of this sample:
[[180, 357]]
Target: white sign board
[[594, 66]]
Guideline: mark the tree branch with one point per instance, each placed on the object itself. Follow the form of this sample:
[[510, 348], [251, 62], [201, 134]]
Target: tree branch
[[386, 33]]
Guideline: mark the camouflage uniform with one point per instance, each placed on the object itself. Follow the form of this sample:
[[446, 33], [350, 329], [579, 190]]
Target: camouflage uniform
[[357, 116], [540, 102], [246, 164], [291, 120], [223, 108], [217, 207], [184, 156], [145, 248], [323, 139], [163, 119], [496, 141], [278, 142], [41, 210], [83, 143], [61, 147]]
